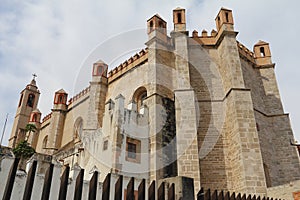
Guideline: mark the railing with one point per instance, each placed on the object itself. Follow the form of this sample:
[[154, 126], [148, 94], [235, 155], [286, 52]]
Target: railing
[[55, 186]]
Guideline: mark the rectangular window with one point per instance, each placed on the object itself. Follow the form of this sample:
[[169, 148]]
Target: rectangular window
[[105, 145], [133, 150]]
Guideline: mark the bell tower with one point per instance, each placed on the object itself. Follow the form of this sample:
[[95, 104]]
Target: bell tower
[[28, 102]]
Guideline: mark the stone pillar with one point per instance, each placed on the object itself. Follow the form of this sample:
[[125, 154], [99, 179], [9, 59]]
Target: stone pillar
[[242, 151], [185, 110]]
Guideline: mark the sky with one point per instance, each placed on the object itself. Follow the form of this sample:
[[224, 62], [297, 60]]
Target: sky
[[60, 39]]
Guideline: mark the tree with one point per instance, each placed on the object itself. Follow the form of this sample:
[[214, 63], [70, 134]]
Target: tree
[[29, 128], [23, 150]]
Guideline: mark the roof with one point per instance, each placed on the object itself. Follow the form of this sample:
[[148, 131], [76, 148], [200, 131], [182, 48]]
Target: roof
[[61, 91]]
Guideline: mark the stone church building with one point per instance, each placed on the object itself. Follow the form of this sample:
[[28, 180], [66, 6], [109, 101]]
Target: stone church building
[[196, 105]]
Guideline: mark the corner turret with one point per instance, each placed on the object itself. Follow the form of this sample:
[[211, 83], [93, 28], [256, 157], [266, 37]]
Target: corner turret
[[157, 28], [224, 20], [179, 19], [262, 53]]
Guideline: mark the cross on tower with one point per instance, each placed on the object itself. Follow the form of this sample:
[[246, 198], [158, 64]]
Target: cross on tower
[[34, 76]]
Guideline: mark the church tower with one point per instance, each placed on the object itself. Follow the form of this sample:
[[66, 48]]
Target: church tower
[[28, 102]]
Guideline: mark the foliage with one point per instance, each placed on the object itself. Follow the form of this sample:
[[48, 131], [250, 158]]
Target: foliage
[[30, 128], [23, 150]]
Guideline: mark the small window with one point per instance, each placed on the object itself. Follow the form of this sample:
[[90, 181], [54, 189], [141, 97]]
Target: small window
[[45, 140], [34, 117], [21, 98], [78, 128], [105, 145], [262, 52], [227, 17], [131, 150], [160, 24], [61, 99], [179, 20], [30, 100], [151, 25]]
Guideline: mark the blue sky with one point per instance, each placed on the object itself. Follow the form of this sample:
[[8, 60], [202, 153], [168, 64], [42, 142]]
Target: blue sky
[[54, 39]]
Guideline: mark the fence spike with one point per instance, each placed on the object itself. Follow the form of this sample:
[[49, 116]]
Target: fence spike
[[79, 185], [142, 190], [30, 181], [64, 184]]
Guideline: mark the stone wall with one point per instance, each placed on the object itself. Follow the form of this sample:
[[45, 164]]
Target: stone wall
[[287, 191]]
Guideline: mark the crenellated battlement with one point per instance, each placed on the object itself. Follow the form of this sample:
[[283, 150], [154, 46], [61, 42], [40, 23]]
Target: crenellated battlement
[[244, 51], [47, 117], [137, 59], [79, 95]]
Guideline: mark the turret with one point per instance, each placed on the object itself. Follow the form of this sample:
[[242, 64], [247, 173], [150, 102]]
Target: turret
[[224, 20], [28, 102], [262, 53], [179, 20], [157, 28], [98, 89], [57, 120]]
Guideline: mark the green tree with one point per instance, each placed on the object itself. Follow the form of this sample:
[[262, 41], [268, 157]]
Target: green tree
[[23, 150], [30, 128]]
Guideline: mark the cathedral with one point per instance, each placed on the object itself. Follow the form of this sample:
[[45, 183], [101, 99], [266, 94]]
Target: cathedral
[[198, 105]]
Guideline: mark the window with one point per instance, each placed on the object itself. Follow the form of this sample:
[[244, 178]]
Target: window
[[105, 145], [21, 98], [139, 96], [34, 117], [30, 100], [227, 17], [45, 140], [78, 128], [179, 20], [133, 150], [262, 51], [61, 99], [151, 25]]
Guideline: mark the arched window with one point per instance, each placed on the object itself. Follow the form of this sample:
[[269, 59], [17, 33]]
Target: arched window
[[78, 128], [30, 100], [21, 98], [61, 99], [139, 97], [45, 141], [34, 117], [262, 52]]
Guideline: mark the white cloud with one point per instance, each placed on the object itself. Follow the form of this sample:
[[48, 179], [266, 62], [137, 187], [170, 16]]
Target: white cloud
[[53, 39]]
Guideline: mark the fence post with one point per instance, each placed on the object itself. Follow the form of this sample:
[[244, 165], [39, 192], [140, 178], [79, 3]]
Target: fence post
[[64, 184], [130, 190], [93, 186], [142, 190], [119, 188], [200, 195], [47, 182], [79, 185], [161, 191], [11, 179], [171, 192], [106, 187], [30, 181], [151, 191]]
